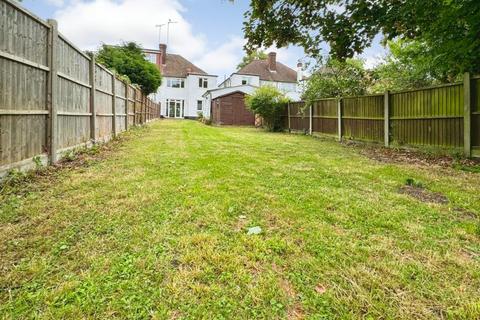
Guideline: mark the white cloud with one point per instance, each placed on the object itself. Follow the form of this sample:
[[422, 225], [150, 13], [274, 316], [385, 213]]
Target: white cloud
[[223, 59], [88, 24]]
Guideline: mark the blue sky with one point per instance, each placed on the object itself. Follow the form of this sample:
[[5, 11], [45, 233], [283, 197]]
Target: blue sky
[[208, 32]]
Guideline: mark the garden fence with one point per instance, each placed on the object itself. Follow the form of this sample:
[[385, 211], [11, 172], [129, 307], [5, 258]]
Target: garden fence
[[445, 116], [53, 96]]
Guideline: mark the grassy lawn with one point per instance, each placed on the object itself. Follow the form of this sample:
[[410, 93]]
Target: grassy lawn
[[158, 229]]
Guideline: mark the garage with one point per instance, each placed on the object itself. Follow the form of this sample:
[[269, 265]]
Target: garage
[[227, 106], [230, 109]]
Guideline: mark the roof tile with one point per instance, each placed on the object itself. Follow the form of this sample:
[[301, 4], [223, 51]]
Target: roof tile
[[260, 68], [178, 66]]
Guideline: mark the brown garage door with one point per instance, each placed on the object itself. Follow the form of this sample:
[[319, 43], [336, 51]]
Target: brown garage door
[[233, 110]]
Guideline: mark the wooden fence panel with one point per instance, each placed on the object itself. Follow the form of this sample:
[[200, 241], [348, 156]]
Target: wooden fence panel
[[325, 116], [431, 116], [72, 96], [362, 118], [22, 34], [475, 114], [138, 107], [131, 106], [120, 105], [23, 85], [104, 103], [299, 117]]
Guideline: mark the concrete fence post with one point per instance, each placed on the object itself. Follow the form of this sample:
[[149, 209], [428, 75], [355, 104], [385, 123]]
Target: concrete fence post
[[386, 118], [52, 90], [339, 114], [467, 115]]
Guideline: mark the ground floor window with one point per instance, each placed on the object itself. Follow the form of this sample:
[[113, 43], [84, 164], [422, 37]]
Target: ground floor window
[[175, 108], [199, 105]]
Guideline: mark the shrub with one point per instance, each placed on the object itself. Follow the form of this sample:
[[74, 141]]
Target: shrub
[[269, 103], [129, 60]]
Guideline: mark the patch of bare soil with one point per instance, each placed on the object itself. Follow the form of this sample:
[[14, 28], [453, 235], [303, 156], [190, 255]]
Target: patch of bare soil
[[423, 195], [465, 214], [415, 157], [23, 183]]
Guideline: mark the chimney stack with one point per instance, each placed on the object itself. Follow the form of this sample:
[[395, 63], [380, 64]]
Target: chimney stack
[[299, 72], [272, 61], [163, 53]]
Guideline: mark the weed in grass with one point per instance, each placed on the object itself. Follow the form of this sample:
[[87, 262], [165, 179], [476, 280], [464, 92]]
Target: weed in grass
[[412, 183], [38, 162]]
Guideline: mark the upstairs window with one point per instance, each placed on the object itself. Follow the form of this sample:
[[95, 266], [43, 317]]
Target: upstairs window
[[245, 81], [202, 82], [176, 83], [152, 57]]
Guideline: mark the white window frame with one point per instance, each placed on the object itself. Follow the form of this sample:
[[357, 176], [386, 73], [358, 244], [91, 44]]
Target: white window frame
[[151, 57], [203, 83], [200, 104], [176, 83], [181, 102]]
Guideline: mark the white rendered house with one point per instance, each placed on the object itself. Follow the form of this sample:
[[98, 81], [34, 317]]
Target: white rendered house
[[268, 72], [183, 84]]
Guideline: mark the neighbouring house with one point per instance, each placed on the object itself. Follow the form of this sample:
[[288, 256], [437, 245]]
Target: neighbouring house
[[268, 72], [227, 103], [183, 84]]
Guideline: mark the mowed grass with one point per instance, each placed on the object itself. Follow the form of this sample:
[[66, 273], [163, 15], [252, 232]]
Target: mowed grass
[[158, 230]]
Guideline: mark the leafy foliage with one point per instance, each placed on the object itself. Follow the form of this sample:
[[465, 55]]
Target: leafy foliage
[[257, 54], [449, 28], [267, 102], [410, 64], [129, 60], [335, 79]]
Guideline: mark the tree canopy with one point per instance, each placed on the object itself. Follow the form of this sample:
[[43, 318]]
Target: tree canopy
[[256, 54], [408, 65], [337, 79], [129, 60], [449, 28]]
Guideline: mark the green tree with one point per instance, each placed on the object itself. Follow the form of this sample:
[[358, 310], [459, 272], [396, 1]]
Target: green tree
[[410, 64], [268, 102], [129, 60], [256, 54], [449, 28], [337, 79]]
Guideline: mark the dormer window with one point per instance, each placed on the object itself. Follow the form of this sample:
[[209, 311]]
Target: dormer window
[[203, 82]]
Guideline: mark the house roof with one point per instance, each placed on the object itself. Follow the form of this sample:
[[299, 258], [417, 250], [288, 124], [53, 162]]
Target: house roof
[[178, 66], [260, 68], [220, 92]]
